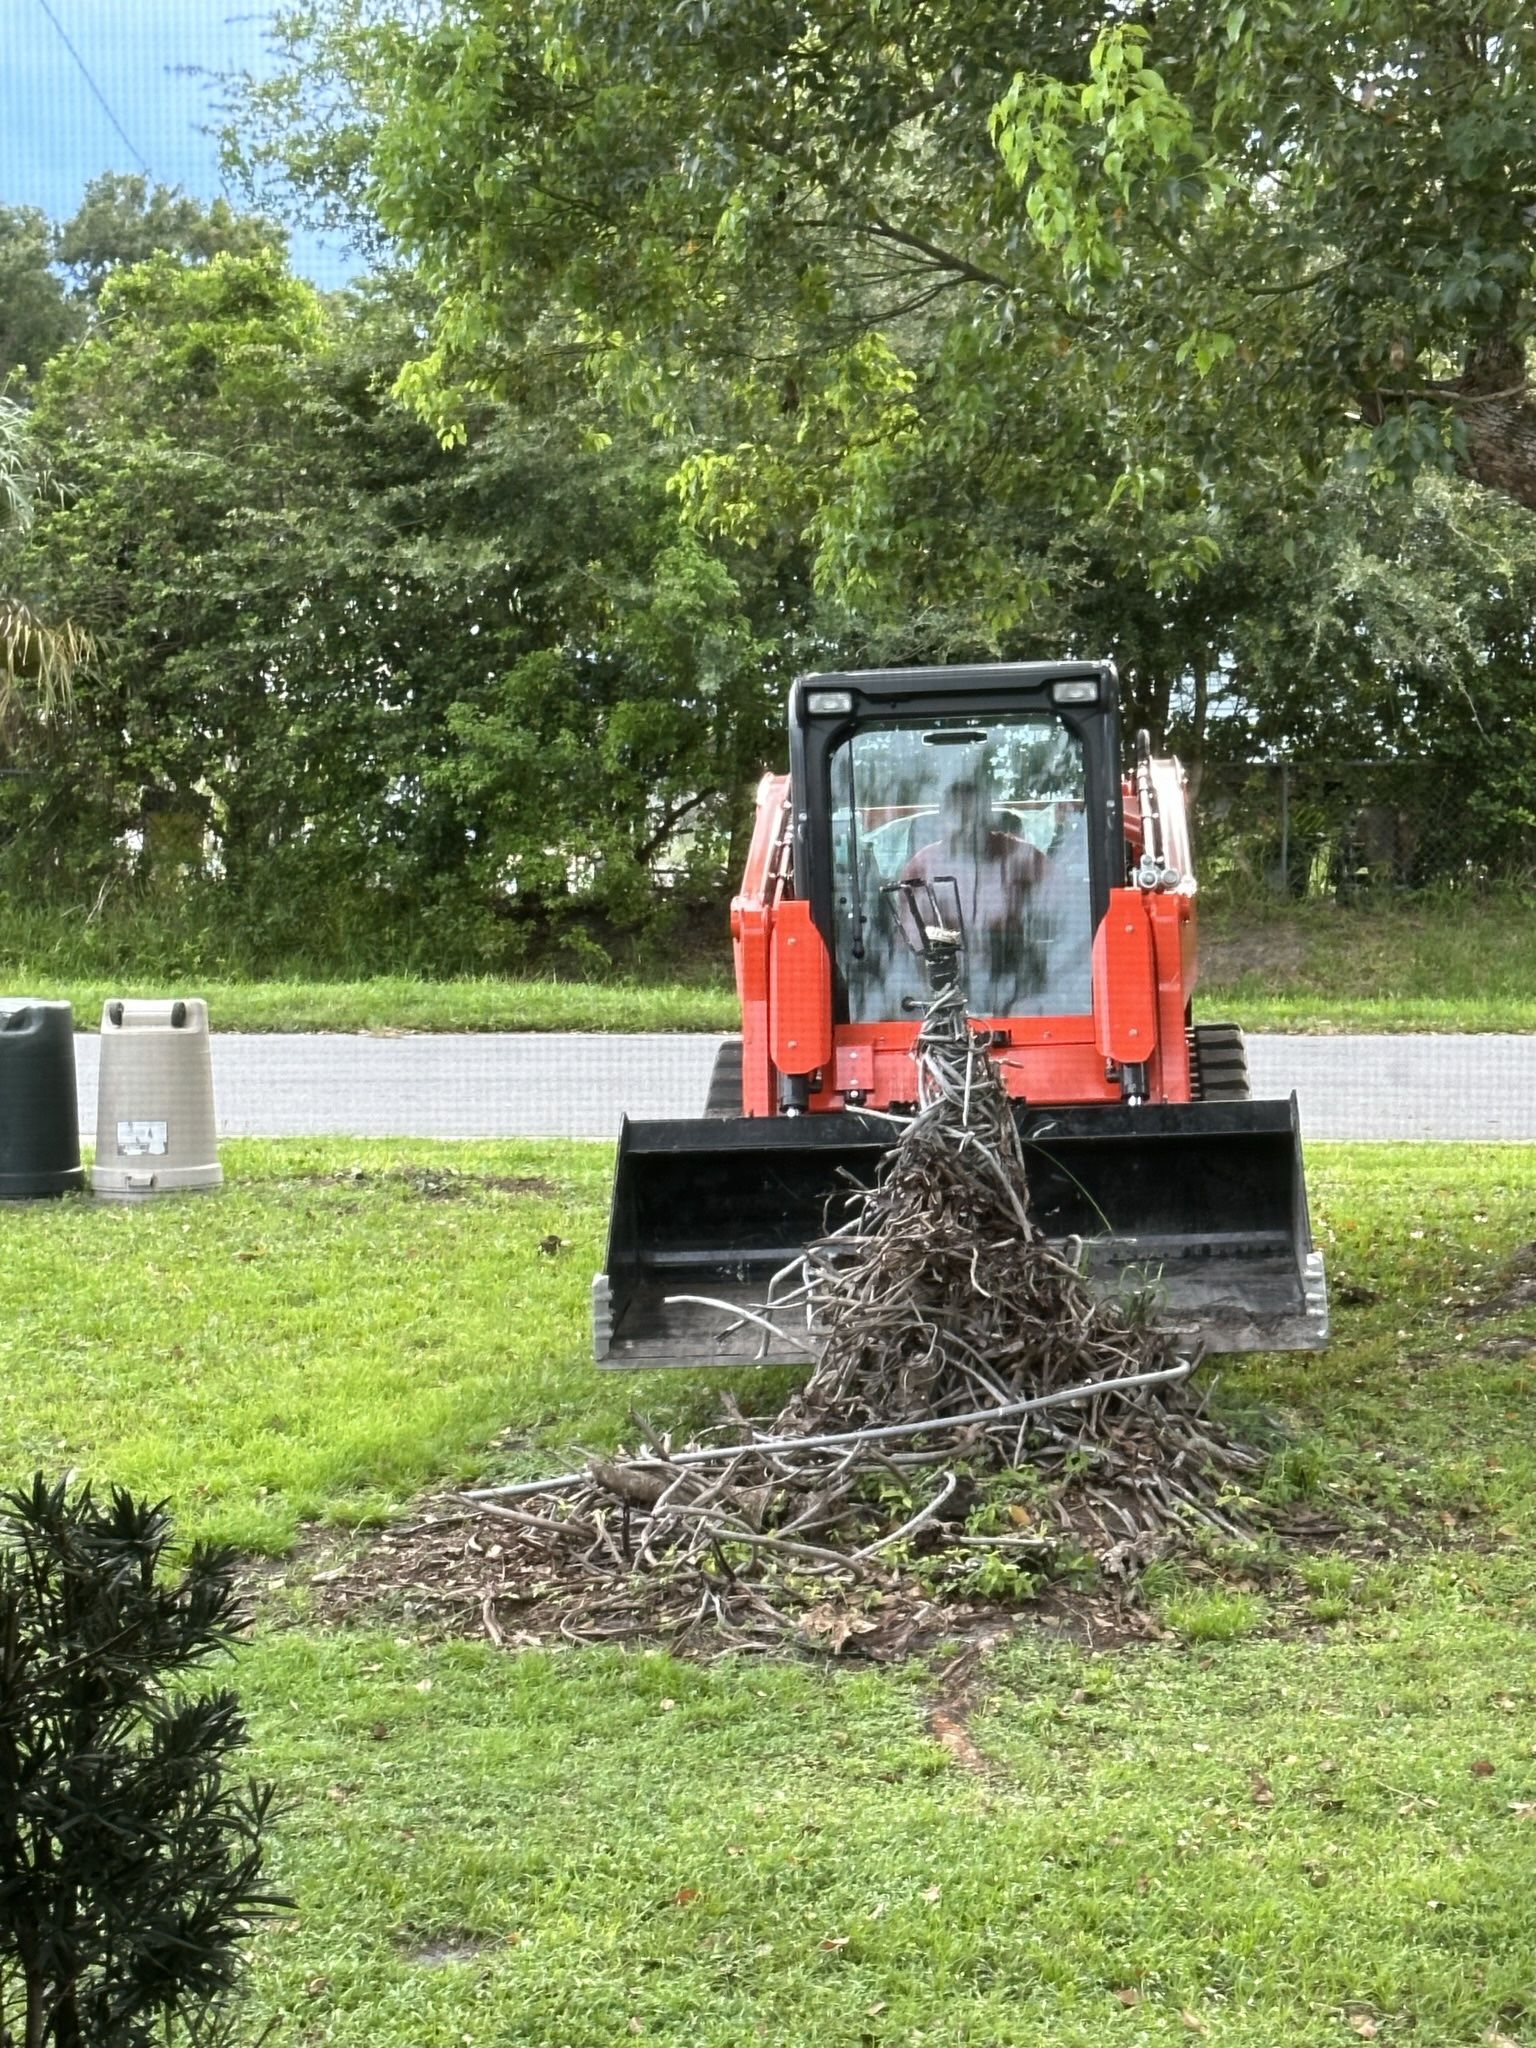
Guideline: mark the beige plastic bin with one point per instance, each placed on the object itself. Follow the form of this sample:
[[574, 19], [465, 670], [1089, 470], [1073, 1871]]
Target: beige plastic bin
[[156, 1133]]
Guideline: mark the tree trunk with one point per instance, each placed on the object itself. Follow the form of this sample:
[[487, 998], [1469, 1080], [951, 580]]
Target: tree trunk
[[1145, 700], [1194, 766], [1499, 420], [1501, 446], [1496, 413]]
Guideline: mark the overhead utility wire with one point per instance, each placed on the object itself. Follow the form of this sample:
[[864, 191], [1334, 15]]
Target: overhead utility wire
[[95, 88]]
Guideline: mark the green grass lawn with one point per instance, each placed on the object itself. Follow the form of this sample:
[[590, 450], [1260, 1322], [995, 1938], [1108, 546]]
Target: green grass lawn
[[1306, 1815], [401, 1002], [343, 1323], [1452, 963], [1257, 1844]]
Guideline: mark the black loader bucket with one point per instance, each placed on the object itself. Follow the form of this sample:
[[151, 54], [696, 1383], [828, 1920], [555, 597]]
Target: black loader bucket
[[1203, 1201]]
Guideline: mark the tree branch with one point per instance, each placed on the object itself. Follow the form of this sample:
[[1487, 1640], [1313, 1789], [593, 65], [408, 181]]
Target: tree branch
[[1444, 394], [1300, 284], [649, 848], [945, 259]]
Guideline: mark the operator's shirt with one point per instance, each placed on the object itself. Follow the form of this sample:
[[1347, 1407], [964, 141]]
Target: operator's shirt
[[995, 883]]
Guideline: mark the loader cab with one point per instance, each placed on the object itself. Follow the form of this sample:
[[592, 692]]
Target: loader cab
[[991, 792]]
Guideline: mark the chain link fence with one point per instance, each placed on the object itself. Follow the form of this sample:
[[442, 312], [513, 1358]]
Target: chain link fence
[[1349, 829]]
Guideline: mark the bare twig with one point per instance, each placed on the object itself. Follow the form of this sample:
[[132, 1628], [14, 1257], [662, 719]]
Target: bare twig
[[938, 1287]]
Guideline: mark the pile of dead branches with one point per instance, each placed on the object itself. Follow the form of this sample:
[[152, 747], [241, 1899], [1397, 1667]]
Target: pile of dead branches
[[977, 1417]]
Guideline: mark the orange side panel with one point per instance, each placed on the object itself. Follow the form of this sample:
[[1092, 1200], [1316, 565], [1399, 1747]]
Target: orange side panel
[[1124, 980], [1055, 1073], [1170, 917], [854, 1071], [751, 924], [800, 992]]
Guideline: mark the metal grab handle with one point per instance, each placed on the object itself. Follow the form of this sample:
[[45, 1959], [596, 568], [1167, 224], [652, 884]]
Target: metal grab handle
[[934, 926], [940, 938]]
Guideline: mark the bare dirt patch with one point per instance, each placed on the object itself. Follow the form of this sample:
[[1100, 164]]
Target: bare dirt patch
[[1514, 1292], [1519, 1345], [437, 1951], [447, 1574], [1272, 954], [439, 1183], [947, 1726]]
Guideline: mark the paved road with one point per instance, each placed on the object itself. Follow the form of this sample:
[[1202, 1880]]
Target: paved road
[[575, 1085]]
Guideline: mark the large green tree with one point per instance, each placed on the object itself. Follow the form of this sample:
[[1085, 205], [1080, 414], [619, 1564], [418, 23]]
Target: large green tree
[[120, 221], [977, 299], [36, 315], [51, 273], [123, 219], [357, 689]]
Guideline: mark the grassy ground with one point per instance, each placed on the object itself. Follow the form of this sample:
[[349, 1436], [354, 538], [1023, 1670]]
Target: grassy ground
[[1438, 964], [399, 1003], [341, 1324], [1307, 1815], [1283, 1841], [1465, 963]]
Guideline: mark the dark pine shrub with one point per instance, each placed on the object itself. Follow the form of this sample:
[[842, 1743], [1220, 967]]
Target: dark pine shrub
[[130, 1864]]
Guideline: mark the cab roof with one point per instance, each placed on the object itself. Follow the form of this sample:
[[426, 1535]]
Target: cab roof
[[954, 678]]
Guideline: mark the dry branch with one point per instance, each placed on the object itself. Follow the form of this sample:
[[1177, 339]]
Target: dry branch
[[938, 1312]]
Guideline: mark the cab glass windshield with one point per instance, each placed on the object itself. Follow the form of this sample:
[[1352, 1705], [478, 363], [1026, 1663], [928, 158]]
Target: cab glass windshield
[[953, 820]]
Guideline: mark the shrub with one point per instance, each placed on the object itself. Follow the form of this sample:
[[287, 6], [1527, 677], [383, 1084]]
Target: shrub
[[129, 1866]]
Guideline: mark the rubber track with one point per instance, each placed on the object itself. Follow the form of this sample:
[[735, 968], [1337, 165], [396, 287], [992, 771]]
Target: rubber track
[[724, 1097], [1219, 1064]]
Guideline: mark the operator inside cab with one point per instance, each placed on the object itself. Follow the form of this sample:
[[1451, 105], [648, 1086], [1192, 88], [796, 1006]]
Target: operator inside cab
[[992, 820], [993, 871]]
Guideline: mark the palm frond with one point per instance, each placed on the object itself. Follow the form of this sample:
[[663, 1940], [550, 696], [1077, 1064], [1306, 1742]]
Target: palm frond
[[18, 473], [38, 661]]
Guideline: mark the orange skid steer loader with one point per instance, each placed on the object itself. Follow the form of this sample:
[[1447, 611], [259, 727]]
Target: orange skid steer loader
[[989, 801]]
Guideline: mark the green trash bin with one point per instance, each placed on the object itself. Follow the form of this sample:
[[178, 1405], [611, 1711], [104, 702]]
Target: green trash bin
[[39, 1109]]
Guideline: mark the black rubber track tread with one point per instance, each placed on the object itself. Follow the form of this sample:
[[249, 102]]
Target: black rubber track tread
[[724, 1097], [1219, 1064]]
